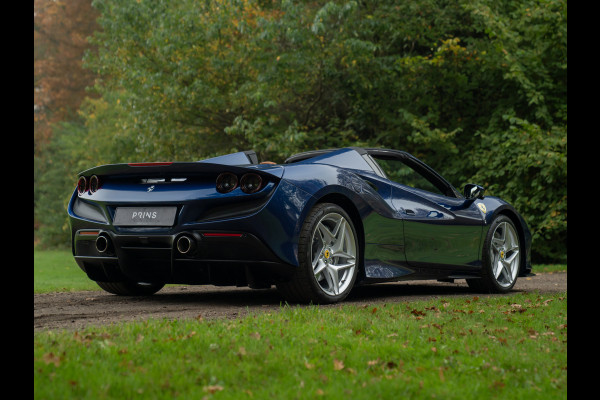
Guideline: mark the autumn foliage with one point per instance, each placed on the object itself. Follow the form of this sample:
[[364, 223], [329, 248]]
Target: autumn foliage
[[60, 36]]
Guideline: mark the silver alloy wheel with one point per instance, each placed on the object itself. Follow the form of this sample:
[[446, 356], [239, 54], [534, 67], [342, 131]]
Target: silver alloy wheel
[[333, 254], [504, 254]]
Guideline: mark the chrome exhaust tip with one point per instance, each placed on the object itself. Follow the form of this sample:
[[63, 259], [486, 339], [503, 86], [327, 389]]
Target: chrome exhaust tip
[[102, 243], [185, 244]]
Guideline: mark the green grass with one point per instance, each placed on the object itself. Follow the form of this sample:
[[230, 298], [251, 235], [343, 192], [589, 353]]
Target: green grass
[[508, 347], [56, 271], [549, 268]]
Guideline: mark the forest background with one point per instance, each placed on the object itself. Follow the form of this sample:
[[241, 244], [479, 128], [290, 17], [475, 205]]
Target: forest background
[[475, 88]]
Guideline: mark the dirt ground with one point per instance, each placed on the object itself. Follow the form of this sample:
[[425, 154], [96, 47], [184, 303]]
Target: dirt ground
[[77, 310]]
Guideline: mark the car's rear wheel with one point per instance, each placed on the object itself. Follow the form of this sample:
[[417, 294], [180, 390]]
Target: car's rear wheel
[[501, 258], [328, 254], [128, 288]]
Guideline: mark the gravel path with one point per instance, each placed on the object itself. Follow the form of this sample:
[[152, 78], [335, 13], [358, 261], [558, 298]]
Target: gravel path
[[77, 310]]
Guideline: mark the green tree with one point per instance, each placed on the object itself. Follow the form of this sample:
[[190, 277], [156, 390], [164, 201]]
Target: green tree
[[476, 88]]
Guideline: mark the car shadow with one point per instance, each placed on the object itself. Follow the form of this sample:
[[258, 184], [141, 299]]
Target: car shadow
[[246, 297]]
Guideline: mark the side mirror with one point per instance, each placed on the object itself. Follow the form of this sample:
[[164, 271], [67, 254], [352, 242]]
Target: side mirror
[[472, 191]]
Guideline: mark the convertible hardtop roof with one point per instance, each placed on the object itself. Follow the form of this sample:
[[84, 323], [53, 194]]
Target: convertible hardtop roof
[[366, 155], [360, 150]]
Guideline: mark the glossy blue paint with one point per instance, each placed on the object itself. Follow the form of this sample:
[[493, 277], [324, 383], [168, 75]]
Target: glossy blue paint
[[406, 233], [438, 229]]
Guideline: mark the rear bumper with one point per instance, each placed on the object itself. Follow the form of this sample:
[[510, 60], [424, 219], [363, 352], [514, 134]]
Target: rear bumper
[[265, 247], [242, 260]]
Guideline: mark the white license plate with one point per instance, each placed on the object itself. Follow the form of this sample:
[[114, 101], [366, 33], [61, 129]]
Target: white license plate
[[145, 216]]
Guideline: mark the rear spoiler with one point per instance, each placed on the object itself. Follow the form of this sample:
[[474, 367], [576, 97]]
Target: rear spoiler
[[237, 163]]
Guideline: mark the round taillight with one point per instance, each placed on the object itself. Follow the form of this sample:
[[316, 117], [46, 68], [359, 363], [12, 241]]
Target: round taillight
[[251, 183], [94, 183], [81, 185], [226, 182]]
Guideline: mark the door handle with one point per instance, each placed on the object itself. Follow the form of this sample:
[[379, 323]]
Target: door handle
[[409, 212]]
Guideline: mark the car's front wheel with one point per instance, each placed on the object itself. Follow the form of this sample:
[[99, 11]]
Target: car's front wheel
[[328, 254], [128, 288], [501, 258]]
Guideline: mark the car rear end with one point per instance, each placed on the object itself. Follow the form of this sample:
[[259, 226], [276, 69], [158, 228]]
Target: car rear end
[[190, 223]]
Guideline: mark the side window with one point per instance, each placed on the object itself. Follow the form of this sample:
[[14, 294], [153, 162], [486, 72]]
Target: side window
[[400, 172]]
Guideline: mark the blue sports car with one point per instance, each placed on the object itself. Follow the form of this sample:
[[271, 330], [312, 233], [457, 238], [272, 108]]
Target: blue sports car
[[314, 226]]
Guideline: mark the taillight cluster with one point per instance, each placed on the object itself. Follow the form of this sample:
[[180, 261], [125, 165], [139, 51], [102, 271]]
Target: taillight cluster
[[83, 185], [249, 183]]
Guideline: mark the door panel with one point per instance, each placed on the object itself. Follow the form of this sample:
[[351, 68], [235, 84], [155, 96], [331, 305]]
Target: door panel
[[441, 228], [384, 234], [438, 230]]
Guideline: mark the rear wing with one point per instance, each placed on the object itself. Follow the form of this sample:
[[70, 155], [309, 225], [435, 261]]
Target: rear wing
[[235, 162]]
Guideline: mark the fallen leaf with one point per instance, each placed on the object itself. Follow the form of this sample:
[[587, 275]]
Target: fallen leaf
[[51, 358], [189, 335], [338, 365], [497, 385], [212, 388]]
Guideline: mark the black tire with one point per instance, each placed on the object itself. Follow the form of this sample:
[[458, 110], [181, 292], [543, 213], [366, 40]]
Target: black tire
[[127, 288], [319, 288], [501, 258]]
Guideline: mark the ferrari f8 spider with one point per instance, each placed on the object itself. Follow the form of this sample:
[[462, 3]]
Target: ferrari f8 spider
[[314, 226]]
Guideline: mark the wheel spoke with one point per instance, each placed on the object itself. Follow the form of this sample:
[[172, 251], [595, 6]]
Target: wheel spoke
[[497, 244], [340, 237], [497, 269], [501, 231], [319, 267], [325, 234], [513, 260], [342, 254], [334, 283], [340, 224], [507, 272], [513, 242], [341, 267], [316, 256], [512, 256]]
